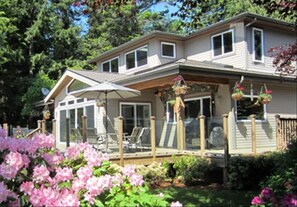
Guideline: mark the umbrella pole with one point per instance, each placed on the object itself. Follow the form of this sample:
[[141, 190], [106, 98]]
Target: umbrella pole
[[106, 123]]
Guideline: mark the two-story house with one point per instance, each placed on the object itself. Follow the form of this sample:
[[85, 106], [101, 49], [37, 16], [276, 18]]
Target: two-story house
[[211, 61]]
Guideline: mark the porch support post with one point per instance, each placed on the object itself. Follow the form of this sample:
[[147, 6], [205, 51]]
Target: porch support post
[[121, 149], [180, 114], [153, 137], [253, 120], [54, 132], [202, 134], [39, 126], [226, 149], [43, 126], [278, 131], [84, 128]]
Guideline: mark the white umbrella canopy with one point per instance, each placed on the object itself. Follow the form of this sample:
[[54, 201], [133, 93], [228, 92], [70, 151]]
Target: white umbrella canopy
[[106, 90]]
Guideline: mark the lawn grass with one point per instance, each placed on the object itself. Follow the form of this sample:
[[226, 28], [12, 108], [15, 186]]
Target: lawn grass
[[196, 197]]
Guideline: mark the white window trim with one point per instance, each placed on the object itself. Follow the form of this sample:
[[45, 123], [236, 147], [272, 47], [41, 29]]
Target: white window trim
[[109, 70], [188, 99], [221, 34], [262, 45], [135, 57], [75, 107], [174, 49], [255, 97], [135, 104]]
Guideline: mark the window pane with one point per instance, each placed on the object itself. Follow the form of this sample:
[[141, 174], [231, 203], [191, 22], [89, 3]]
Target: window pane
[[228, 42], [128, 115], [90, 116], [63, 126], [206, 107], [130, 60], [258, 45], [80, 113], [105, 67], [170, 112], [246, 107], [141, 56], [217, 45], [143, 115], [114, 65], [72, 118], [168, 50]]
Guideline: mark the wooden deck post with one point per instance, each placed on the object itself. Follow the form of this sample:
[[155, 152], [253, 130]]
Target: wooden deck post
[[5, 127], [43, 126], [84, 128], [278, 131], [121, 149], [39, 126], [181, 135], [226, 149], [202, 134], [54, 132], [253, 120], [153, 137]]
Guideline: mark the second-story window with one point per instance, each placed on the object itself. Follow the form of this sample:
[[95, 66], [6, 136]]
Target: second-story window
[[258, 55], [111, 66], [168, 50], [136, 58], [222, 43]]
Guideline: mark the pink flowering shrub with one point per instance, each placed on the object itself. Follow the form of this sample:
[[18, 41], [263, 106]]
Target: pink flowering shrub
[[33, 172]]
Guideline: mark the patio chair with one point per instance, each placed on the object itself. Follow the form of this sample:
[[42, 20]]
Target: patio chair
[[136, 141]]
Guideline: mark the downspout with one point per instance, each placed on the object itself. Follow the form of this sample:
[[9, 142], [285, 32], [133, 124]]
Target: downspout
[[245, 45]]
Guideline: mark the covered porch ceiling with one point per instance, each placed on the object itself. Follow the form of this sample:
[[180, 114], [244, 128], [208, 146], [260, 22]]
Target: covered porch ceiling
[[167, 82]]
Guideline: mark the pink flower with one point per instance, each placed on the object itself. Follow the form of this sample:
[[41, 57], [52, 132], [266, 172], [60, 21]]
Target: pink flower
[[63, 174], [27, 188], [266, 193], [69, 199], [136, 180], [3, 192], [289, 200], [176, 204], [84, 173], [3, 133], [257, 201], [128, 170], [77, 185], [14, 159], [8, 172], [40, 173]]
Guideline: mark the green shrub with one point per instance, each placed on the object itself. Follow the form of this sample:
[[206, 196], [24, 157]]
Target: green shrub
[[246, 172], [195, 170], [152, 174]]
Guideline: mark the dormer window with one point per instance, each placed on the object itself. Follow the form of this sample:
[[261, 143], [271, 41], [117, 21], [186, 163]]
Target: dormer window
[[111, 66], [168, 50], [258, 46], [136, 58], [222, 43]]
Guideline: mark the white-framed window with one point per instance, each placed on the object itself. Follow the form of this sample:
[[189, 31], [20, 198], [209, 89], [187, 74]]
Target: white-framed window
[[137, 58], [258, 45], [135, 115], [110, 66], [247, 106], [222, 43], [168, 50], [76, 85], [81, 107], [194, 107]]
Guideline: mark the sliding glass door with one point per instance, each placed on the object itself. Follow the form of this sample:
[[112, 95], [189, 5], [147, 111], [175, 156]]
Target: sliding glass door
[[135, 114]]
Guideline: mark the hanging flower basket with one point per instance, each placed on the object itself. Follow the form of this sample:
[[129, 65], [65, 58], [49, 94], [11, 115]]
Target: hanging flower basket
[[237, 92], [180, 86], [46, 114], [266, 96], [100, 103]]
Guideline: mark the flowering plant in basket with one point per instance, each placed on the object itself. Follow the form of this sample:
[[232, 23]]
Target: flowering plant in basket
[[266, 96], [237, 92]]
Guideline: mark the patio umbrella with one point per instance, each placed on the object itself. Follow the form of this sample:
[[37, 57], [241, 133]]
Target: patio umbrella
[[106, 90]]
